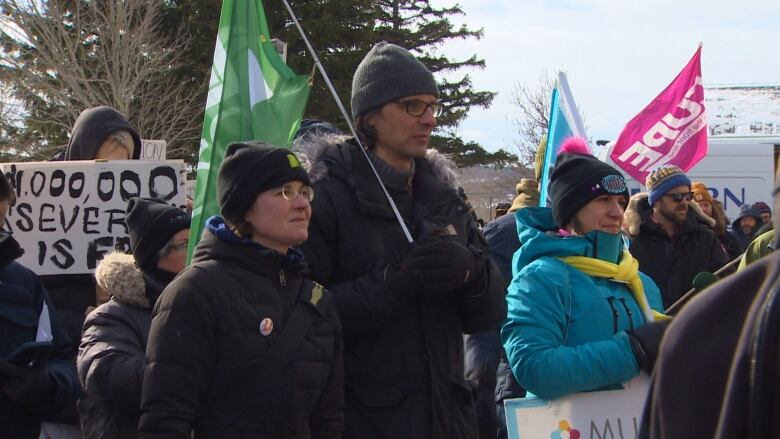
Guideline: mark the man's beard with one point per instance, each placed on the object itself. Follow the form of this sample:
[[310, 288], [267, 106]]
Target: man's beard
[[747, 230], [676, 215]]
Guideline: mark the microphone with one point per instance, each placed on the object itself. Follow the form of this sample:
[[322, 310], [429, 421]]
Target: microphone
[[703, 279]]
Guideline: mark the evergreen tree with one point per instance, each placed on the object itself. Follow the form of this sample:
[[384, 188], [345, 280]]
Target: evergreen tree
[[342, 32], [466, 154]]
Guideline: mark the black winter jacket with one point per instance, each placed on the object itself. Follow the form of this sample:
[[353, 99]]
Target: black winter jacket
[[403, 350], [672, 263], [111, 355], [206, 365], [21, 300]]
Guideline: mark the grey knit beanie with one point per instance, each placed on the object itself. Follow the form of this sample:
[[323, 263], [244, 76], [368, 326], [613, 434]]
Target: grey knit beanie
[[389, 72]]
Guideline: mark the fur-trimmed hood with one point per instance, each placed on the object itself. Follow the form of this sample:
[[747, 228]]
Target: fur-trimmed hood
[[318, 153], [118, 275], [639, 210]]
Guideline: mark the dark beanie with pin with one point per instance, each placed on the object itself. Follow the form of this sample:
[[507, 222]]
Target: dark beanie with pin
[[250, 168], [151, 224], [579, 177], [389, 72]]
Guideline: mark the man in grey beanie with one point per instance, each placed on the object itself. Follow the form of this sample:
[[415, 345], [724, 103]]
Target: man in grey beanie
[[404, 307]]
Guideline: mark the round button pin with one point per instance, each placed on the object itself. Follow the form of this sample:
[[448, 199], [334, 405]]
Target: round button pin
[[266, 326]]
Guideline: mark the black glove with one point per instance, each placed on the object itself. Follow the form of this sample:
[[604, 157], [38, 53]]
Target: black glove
[[442, 266], [645, 342], [25, 385]]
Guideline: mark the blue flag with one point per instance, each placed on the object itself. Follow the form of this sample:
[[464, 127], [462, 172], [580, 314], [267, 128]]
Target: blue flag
[[565, 121]]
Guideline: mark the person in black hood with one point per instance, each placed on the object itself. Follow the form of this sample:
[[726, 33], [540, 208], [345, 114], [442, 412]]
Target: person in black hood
[[103, 133], [99, 133], [111, 355], [746, 226], [242, 344], [29, 390]]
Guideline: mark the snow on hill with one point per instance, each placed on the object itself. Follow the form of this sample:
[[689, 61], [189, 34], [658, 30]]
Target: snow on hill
[[742, 110]]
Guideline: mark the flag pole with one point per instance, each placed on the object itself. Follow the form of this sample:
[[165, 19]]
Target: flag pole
[[345, 115]]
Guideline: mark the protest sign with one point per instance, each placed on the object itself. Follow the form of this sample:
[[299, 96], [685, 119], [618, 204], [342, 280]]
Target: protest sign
[[607, 414], [153, 149], [69, 214]]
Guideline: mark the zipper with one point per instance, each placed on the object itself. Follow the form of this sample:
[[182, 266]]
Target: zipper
[[282, 279], [628, 311], [615, 314]]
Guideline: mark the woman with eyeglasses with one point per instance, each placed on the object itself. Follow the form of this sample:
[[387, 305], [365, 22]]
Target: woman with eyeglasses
[[581, 316], [113, 342], [242, 344]]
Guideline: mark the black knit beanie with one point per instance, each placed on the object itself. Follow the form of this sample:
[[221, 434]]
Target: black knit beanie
[[579, 178], [389, 72], [250, 168], [151, 224]]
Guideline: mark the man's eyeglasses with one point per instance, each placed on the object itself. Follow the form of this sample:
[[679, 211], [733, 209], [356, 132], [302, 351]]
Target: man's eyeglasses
[[678, 197], [416, 107], [290, 194]]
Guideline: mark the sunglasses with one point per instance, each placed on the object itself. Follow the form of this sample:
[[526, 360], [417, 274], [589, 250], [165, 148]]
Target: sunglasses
[[678, 197], [416, 107]]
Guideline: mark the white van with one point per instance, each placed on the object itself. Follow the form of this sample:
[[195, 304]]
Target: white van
[[737, 170]]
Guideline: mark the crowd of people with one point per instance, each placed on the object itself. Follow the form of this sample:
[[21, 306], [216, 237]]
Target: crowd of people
[[347, 290]]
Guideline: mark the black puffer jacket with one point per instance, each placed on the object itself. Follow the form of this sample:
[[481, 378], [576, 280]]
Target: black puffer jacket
[[207, 370], [403, 352], [672, 263], [21, 301], [111, 356]]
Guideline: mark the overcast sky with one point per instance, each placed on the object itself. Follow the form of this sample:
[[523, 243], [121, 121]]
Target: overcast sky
[[618, 54]]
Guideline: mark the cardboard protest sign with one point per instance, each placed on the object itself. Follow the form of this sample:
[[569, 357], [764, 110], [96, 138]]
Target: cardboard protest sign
[[608, 414], [153, 149], [68, 215]]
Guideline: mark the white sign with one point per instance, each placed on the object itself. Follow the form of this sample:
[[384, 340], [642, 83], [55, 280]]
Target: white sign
[[153, 149], [69, 214], [608, 414]]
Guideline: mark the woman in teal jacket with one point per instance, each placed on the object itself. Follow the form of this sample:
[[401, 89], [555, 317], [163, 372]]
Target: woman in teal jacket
[[578, 306]]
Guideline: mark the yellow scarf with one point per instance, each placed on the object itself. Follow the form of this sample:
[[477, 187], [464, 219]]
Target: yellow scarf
[[626, 272]]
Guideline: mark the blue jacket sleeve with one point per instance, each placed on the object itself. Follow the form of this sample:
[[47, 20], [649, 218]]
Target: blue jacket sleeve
[[534, 337]]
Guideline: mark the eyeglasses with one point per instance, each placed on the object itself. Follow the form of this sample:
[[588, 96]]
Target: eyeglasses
[[180, 246], [416, 107], [678, 197], [289, 193]]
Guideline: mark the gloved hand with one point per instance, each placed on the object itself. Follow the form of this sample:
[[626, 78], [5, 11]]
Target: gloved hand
[[645, 342], [25, 385], [441, 266]]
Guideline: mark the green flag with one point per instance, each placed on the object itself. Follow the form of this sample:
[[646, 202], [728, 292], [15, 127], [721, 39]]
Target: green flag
[[253, 95]]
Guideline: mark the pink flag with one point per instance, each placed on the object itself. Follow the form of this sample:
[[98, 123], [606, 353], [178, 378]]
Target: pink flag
[[671, 130]]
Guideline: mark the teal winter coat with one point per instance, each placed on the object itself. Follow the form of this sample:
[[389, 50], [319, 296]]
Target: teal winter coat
[[565, 330]]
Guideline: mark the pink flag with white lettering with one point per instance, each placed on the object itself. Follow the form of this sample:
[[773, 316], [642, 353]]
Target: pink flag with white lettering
[[671, 130]]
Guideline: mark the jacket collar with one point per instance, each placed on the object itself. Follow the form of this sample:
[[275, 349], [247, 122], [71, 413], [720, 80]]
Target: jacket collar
[[219, 242], [539, 238], [339, 157]]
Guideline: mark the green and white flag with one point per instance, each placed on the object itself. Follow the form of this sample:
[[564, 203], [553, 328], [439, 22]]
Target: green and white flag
[[253, 95]]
